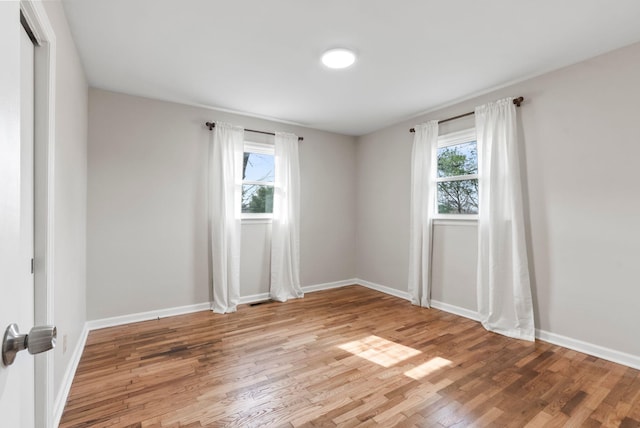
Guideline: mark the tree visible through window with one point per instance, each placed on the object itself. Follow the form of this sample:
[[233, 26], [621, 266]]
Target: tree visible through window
[[258, 174], [457, 179]]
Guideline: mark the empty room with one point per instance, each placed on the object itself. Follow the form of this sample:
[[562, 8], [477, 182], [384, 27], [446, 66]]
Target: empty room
[[301, 214]]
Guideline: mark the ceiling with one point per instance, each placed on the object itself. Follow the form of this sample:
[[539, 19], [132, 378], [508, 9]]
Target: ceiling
[[262, 58]]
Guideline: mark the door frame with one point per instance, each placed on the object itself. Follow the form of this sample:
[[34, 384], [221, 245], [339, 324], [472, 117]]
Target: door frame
[[44, 162]]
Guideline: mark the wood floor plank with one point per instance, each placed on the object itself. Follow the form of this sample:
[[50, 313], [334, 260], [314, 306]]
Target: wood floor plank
[[339, 358]]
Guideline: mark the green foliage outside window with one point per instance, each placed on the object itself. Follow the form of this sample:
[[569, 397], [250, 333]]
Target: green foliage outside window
[[257, 199], [257, 187], [458, 196]]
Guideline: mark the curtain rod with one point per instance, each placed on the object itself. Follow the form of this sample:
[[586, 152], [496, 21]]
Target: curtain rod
[[212, 125], [516, 101]]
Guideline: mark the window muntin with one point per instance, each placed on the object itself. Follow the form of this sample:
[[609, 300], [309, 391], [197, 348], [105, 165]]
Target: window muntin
[[457, 175], [258, 174]]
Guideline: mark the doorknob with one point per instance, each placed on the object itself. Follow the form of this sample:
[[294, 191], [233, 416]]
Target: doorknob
[[39, 339]]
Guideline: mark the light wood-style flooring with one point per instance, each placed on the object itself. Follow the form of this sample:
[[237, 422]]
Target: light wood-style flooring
[[344, 357]]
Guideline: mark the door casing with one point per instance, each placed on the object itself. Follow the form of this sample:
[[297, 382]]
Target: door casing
[[44, 162]]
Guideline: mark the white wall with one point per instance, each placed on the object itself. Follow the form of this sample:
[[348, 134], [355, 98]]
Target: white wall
[[579, 132], [454, 262], [147, 216], [70, 192]]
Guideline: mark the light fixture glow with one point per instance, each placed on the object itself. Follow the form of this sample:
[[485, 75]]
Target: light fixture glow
[[338, 58]]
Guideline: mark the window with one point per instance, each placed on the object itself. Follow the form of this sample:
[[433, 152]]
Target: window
[[457, 178], [258, 174]]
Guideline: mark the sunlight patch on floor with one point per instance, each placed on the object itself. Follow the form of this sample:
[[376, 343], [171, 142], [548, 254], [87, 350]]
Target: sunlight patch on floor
[[379, 351], [427, 368]]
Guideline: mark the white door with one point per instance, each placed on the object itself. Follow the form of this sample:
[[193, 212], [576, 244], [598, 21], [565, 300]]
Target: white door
[[16, 212]]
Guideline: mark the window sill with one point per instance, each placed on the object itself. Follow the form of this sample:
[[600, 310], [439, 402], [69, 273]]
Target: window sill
[[456, 221], [249, 220]]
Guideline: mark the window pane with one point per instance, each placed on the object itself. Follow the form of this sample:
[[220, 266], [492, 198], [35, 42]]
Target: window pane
[[258, 167], [461, 159], [458, 197], [257, 199]]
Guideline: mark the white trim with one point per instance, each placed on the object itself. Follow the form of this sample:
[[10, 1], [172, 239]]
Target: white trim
[[384, 289], [608, 354], [556, 339], [260, 148], [262, 217], [590, 349], [457, 178], [456, 217], [264, 149], [448, 140], [181, 310], [455, 138], [256, 220], [45, 91], [252, 298], [306, 289], [329, 285], [456, 310], [69, 374], [146, 316], [447, 221], [37, 21], [260, 183]]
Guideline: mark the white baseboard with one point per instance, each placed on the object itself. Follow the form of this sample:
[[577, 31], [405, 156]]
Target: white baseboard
[[384, 289], [145, 316], [181, 310], [67, 379], [305, 289], [590, 349], [556, 339], [608, 354], [329, 285], [456, 310], [452, 309], [253, 298]]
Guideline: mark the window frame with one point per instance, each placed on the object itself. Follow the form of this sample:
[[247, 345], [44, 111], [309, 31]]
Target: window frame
[[447, 140], [264, 149]]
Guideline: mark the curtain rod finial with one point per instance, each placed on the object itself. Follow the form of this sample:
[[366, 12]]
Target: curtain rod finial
[[210, 125], [518, 101]]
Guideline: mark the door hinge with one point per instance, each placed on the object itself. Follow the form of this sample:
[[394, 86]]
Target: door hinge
[[32, 266]]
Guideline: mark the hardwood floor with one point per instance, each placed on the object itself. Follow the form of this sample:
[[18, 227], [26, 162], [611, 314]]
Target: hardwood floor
[[345, 357]]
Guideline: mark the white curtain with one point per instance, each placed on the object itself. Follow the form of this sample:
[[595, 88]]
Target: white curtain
[[504, 291], [285, 232], [225, 180], [423, 196]]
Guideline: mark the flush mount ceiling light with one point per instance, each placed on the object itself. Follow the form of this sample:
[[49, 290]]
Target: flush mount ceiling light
[[338, 58]]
